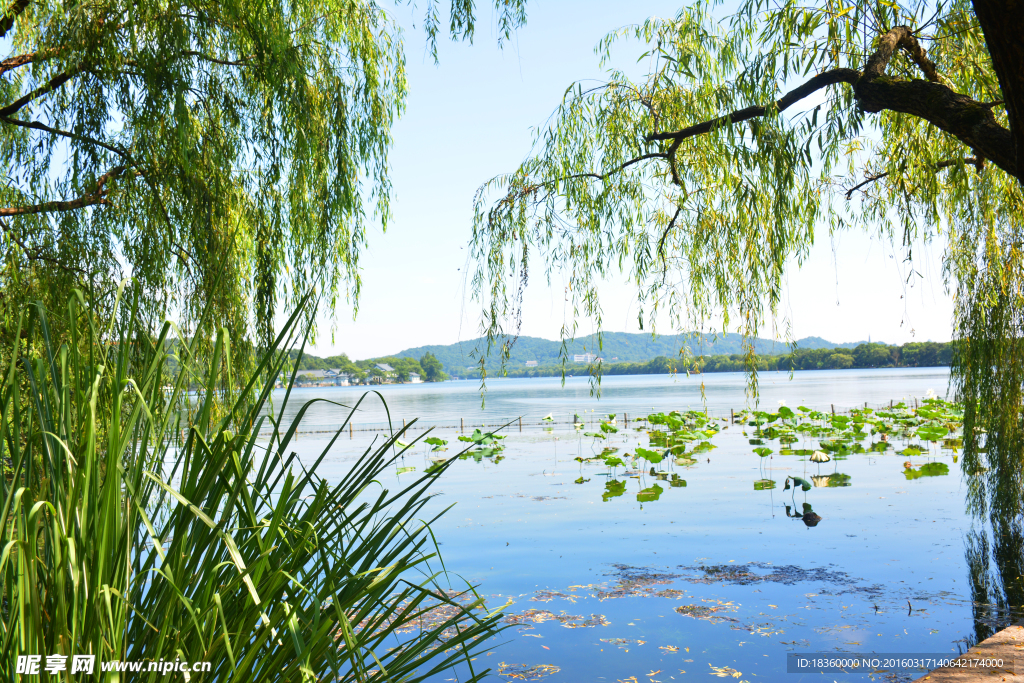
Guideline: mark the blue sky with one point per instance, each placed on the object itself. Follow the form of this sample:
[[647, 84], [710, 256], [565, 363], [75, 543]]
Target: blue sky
[[470, 118]]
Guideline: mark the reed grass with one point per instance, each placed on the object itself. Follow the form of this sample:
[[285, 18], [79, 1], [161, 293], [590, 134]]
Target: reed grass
[[144, 520]]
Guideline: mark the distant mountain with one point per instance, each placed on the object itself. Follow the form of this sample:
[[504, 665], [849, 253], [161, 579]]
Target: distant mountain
[[616, 347]]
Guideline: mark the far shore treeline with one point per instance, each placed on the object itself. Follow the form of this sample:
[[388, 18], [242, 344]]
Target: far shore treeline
[[911, 355], [865, 355]]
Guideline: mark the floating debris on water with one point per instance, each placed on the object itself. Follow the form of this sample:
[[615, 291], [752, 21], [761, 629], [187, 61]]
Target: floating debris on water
[[707, 612], [526, 672], [623, 643], [745, 574], [539, 616]]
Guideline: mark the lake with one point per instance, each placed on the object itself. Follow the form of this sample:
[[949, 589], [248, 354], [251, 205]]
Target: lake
[[445, 403], [693, 566]]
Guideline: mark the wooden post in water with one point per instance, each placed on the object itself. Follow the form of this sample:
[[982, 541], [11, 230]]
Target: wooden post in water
[[890, 404], [865, 405], [520, 423], [462, 424], [833, 410], [732, 416], [350, 430], [625, 419]]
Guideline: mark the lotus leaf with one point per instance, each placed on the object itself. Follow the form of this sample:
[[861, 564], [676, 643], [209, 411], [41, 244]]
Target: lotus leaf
[[612, 489], [649, 494]]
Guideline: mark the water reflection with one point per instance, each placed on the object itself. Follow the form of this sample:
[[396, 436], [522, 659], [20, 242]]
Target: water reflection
[[995, 563], [808, 516]]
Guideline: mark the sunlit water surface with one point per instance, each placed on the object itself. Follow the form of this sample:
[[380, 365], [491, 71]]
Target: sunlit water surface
[[713, 577]]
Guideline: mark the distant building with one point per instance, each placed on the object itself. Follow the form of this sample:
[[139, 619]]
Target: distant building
[[339, 378], [329, 377], [414, 378], [531, 363], [584, 358], [387, 373]]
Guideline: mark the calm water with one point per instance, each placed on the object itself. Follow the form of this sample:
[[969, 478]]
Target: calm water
[[617, 588], [532, 399]]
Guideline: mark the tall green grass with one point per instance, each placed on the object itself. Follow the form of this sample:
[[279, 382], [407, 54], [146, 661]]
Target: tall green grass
[[143, 521]]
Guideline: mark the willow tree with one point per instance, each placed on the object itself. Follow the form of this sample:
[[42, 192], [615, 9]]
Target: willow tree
[[232, 150], [753, 132]]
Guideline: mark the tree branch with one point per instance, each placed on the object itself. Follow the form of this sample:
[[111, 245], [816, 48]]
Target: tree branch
[[37, 253], [208, 58], [98, 196], [969, 121], [900, 37], [668, 229], [16, 61], [10, 14], [978, 163], [68, 134], [822, 80], [54, 83]]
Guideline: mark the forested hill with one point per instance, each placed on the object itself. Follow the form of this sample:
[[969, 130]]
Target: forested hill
[[617, 347]]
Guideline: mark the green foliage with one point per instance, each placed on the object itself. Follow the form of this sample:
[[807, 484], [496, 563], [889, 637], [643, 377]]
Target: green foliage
[[649, 494], [797, 481], [640, 354], [653, 457], [140, 523], [613, 489], [616, 348], [931, 469], [432, 368], [754, 133], [231, 153], [939, 354]]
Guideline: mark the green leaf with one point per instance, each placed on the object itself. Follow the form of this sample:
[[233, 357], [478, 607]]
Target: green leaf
[[613, 489], [653, 457], [649, 494]]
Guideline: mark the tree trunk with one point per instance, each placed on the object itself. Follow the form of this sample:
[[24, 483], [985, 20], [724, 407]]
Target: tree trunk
[[1003, 24]]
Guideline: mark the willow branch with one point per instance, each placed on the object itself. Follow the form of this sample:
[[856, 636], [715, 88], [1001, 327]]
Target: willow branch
[[978, 163], [903, 38], [969, 121], [68, 134], [37, 253], [208, 58], [668, 229], [822, 80], [10, 14], [96, 197], [16, 61], [51, 85]]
